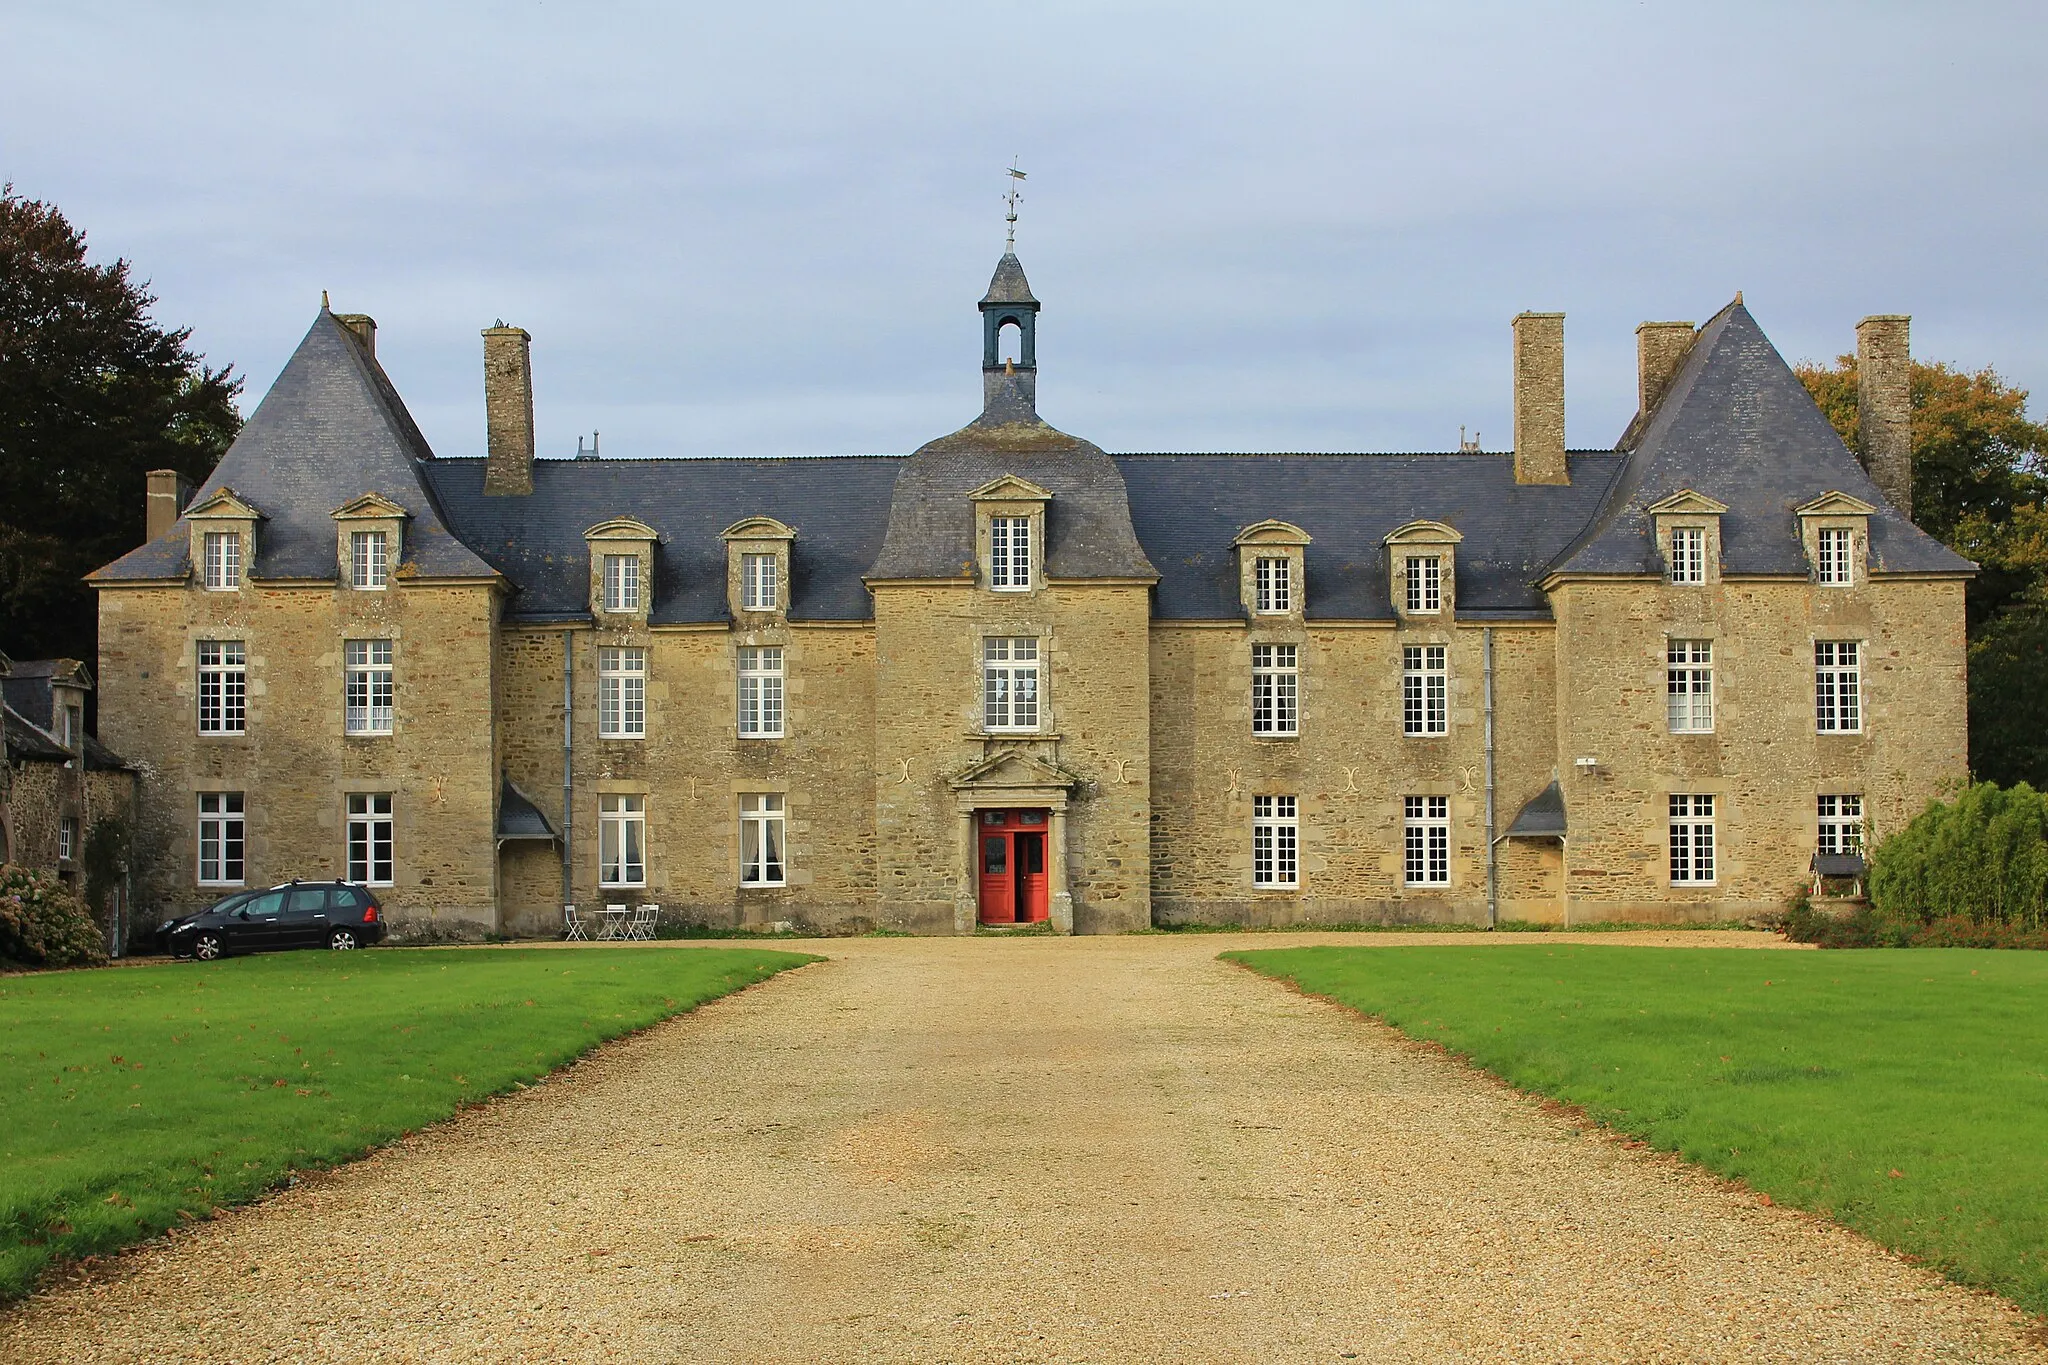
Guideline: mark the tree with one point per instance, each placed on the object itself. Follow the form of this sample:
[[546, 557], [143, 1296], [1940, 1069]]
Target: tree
[[93, 395], [1980, 486]]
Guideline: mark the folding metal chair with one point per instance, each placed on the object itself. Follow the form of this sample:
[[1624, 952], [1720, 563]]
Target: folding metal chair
[[644, 919], [572, 927]]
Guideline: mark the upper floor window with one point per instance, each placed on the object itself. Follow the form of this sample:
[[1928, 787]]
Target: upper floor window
[[367, 687], [1833, 565], [1689, 686], [757, 582], [74, 726], [1009, 553], [67, 838], [369, 559], [761, 862], [1009, 683], [1425, 680], [622, 693], [370, 842], [221, 838], [1426, 826], [223, 687], [1276, 842], [1692, 839], [622, 840], [1425, 585], [1689, 554], [1275, 586], [622, 582], [1276, 690], [761, 693], [1837, 686], [1841, 824], [223, 560]]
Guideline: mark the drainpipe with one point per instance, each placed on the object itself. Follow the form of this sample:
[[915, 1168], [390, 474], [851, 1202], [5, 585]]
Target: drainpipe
[[568, 767], [1492, 839]]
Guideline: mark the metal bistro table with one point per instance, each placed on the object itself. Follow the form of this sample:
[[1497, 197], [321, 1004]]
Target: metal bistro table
[[613, 924]]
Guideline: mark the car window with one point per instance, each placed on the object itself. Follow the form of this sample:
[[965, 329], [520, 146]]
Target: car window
[[348, 898], [228, 904], [265, 904], [306, 900]]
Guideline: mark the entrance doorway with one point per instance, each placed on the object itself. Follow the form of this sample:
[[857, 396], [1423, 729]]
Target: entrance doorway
[[1011, 861]]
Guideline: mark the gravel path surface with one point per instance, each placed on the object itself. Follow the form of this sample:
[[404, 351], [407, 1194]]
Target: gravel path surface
[[1016, 1150]]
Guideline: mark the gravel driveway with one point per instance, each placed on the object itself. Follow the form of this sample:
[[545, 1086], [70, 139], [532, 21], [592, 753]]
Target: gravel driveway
[[1016, 1150]]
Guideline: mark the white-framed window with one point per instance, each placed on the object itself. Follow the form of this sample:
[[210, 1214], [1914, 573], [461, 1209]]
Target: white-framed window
[[1425, 683], [1425, 584], [757, 583], [1837, 686], [1689, 686], [221, 838], [1274, 581], [366, 687], [73, 718], [369, 838], [622, 840], [622, 693], [1833, 565], [1276, 690], [369, 559], [622, 582], [1688, 554], [223, 687], [221, 552], [1009, 682], [1841, 824], [1009, 553], [1276, 840], [67, 838], [761, 692], [1692, 840], [1426, 821], [761, 861]]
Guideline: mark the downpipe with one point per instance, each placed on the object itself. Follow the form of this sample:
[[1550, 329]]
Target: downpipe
[[568, 767], [1492, 838]]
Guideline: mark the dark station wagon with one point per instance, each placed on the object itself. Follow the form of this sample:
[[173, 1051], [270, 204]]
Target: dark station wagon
[[336, 915]]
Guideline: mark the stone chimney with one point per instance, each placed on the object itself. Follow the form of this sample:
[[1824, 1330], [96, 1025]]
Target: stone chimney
[[365, 329], [1539, 398], [169, 491], [508, 411], [1884, 405], [1660, 350]]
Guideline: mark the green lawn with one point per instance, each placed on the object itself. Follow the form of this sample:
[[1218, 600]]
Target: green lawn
[[137, 1098], [1902, 1092]]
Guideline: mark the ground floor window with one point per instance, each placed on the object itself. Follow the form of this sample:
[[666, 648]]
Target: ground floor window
[[1692, 840], [1428, 828], [369, 838], [622, 840], [1275, 839], [1841, 824], [761, 860], [220, 838]]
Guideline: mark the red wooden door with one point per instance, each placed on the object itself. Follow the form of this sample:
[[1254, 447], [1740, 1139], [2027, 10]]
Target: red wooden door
[[998, 868], [1033, 904]]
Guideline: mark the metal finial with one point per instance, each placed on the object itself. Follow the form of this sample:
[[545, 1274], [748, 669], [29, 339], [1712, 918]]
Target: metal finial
[[1010, 243]]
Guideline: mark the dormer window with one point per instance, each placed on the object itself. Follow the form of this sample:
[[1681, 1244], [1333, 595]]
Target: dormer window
[[757, 570], [369, 559], [1687, 530], [1688, 557], [1274, 585], [622, 583], [223, 561], [757, 582], [1835, 530], [1425, 574], [1009, 554]]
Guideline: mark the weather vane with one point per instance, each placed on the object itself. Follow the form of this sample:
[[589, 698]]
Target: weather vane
[[1011, 199]]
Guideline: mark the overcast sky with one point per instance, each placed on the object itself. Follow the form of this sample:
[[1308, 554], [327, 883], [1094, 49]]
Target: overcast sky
[[762, 228]]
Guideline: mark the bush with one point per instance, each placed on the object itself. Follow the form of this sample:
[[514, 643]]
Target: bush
[[1982, 859], [42, 924]]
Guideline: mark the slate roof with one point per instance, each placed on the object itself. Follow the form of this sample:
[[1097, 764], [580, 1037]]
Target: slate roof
[[1737, 425], [837, 505], [28, 742], [331, 429], [1542, 817], [27, 682], [1008, 284], [518, 817], [1188, 509]]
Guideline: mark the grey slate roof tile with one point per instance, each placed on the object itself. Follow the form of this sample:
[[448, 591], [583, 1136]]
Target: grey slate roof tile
[[1542, 817]]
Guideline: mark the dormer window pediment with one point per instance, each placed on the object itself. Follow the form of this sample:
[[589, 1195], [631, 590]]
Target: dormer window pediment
[[1687, 525], [757, 568], [223, 546], [1009, 532], [1422, 568], [621, 570], [1272, 569], [370, 540], [1834, 530]]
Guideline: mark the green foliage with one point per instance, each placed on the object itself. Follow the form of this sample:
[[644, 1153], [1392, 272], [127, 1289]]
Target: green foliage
[[93, 395], [1982, 859], [137, 1100], [2009, 693], [42, 924], [1898, 1093]]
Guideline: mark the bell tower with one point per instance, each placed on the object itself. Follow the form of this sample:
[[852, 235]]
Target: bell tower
[[1008, 303]]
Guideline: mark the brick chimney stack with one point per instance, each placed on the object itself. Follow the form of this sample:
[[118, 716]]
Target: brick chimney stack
[[1884, 404], [1660, 350], [1539, 398], [508, 411], [169, 491], [364, 327]]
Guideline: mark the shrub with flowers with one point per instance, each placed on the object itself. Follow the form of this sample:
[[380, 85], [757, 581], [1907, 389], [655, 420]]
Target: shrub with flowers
[[44, 924]]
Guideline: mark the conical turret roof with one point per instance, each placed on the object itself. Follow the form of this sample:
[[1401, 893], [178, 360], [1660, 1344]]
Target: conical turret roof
[[1008, 284]]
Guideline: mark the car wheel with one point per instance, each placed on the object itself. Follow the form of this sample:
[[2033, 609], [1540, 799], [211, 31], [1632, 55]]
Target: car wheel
[[342, 940], [209, 947]]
